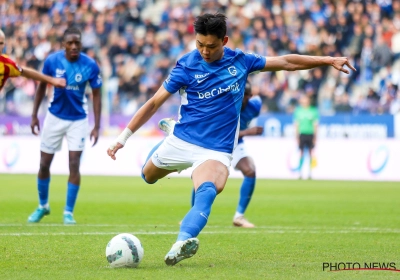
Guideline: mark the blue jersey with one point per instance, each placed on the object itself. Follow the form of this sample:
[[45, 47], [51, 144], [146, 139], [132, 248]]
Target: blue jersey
[[251, 111], [211, 97], [69, 103]]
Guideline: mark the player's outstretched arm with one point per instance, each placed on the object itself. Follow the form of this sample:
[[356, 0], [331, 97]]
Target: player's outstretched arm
[[35, 75], [293, 62], [141, 117], [94, 134]]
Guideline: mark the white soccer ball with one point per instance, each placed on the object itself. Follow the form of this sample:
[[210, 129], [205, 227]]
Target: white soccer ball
[[124, 250]]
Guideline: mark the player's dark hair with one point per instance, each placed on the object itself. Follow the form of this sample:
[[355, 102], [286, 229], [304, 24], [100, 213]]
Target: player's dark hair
[[211, 24], [72, 30]]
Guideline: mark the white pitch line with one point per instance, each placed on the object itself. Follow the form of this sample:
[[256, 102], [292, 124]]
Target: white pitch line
[[253, 231], [273, 228]]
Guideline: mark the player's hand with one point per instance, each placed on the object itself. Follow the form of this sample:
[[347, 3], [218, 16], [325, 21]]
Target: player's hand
[[35, 124], [59, 82], [255, 130], [112, 150], [94, 135], [339, 63]]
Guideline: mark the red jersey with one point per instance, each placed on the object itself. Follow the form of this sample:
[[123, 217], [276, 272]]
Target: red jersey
[[8, 68]]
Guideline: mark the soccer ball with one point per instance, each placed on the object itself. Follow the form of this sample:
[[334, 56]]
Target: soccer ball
[[124, 250]]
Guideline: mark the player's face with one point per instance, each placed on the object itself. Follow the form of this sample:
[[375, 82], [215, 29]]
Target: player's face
[[210, 47], [2, 43], [72, 44]]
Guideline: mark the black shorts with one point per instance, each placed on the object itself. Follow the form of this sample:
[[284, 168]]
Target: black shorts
[[306, 141]]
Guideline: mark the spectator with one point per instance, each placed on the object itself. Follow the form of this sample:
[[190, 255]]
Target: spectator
[[147, 34], [381, 55], [342, 104]]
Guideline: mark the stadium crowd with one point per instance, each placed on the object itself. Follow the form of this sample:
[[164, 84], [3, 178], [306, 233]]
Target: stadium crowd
[[137, 42]]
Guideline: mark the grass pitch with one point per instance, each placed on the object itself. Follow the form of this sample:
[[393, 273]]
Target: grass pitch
[[300, 226]]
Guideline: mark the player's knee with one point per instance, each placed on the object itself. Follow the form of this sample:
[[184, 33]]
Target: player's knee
[[250, 173], [248, 170], [148, 180], [74, 165], [44, 167]]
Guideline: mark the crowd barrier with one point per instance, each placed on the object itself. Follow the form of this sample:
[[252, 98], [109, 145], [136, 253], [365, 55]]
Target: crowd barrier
[[275, 125], [337, 126], [278, 158]]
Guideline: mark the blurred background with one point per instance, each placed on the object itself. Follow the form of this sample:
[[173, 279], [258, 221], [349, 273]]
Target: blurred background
[[137, 42]]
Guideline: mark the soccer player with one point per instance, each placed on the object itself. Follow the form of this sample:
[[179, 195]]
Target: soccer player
[[306, 125], [67, 116], [9, 69], [251, 107], [211, 82]]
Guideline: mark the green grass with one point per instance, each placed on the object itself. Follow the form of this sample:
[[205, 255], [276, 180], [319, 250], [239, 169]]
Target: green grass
[[301, 225]]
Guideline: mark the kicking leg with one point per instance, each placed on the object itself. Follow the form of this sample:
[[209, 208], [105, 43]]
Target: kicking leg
[[209, 178]]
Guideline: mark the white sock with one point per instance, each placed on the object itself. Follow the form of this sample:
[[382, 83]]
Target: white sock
[[68, 212], [238, 215], [44, 206]]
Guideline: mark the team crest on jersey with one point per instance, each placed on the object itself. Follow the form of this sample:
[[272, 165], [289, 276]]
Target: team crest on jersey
[[78, 77], [232, 70]]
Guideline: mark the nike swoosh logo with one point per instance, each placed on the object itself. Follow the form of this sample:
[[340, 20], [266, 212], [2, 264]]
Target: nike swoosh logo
[[199, 81]]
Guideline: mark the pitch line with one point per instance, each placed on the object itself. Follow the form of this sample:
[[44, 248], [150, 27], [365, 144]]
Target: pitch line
[[241, 231], [316, 229], [228, 229]]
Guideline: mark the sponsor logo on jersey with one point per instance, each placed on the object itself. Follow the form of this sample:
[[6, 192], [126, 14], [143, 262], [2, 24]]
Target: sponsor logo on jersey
[[201, 77], [78, 77], [73, 87], [215, 91], [232, 70], [59, 73]]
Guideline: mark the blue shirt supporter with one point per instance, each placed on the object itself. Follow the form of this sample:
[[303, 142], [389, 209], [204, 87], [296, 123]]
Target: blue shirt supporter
[[70, 103], [209, 90]]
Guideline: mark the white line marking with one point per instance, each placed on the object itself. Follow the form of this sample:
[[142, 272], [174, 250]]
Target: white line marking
[[241, 231], [273, 228]]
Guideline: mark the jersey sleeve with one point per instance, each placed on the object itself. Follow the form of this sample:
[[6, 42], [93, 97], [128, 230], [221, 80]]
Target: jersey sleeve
[[95, 79], [12, 68], [47, 67], [176, 79], [254, 62]]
